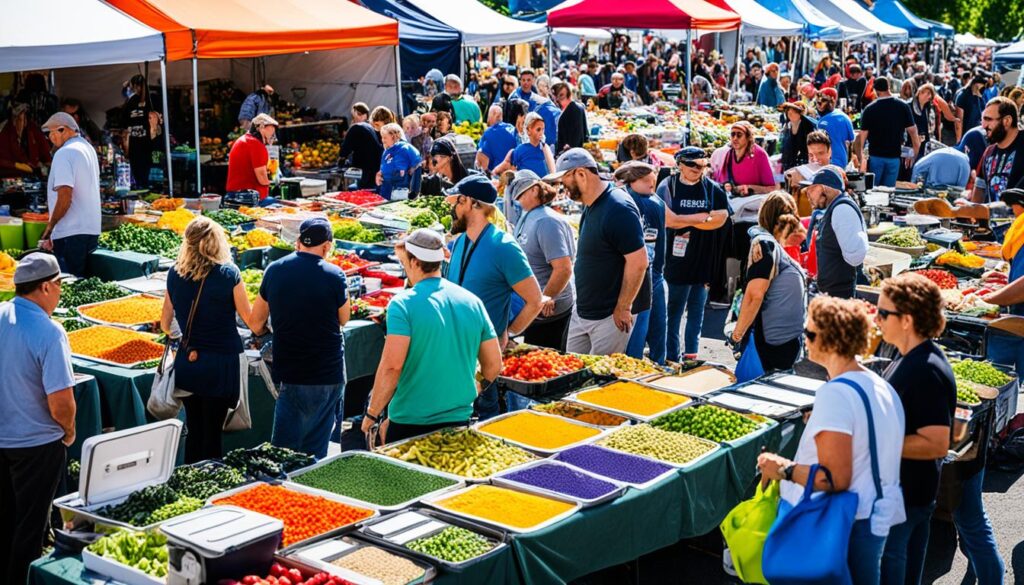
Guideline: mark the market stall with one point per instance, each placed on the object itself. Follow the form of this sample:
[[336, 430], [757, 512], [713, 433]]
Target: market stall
[[852, 15]]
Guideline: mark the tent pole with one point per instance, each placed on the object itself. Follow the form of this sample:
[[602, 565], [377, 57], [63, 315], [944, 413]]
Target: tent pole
[[551, 52], [195, 115], [878, 55], [167, 125], [462, 63], [736, 64], [398, 80], [689, 84]]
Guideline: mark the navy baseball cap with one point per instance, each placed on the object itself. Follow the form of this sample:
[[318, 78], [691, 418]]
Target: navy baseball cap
[[476, 187], [574, 158], [315, 231], [829, 176], [690, 153]]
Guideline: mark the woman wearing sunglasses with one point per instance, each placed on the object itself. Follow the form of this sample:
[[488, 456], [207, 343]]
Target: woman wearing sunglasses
[[837, 435], [910, 315], [745, 169], [447, 166]]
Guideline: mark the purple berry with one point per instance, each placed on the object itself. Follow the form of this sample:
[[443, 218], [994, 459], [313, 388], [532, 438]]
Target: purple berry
[[617, 466]]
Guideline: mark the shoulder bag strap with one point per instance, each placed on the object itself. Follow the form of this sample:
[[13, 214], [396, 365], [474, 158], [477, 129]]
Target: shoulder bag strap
[[191, 315], [872, 442]]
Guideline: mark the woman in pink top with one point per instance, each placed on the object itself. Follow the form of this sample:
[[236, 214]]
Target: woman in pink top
[[745, 169]]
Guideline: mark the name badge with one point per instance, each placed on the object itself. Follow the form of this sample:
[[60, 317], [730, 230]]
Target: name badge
[[679, 245], [651, 235]]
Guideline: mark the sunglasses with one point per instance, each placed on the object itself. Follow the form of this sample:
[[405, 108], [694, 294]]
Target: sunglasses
[[886, 313], [810, 335], [58, 129], [507, 84], [737, 134], [693, 164]]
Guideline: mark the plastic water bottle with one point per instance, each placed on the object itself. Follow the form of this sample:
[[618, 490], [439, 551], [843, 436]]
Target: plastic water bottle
[[123, 182]]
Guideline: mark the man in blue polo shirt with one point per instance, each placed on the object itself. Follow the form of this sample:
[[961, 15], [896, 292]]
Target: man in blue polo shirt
[[306, 299], [490, 264], [37, 397], [497, 141]]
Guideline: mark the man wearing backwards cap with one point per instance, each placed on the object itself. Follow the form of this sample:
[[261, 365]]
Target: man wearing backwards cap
[[307, 300], [37, 398], [842, 240], [437, 332], [611, 258], [72, 196], [490, 264]]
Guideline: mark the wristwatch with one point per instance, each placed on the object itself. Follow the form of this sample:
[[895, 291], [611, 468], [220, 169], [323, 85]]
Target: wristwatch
[[787, 472], [367, 414]]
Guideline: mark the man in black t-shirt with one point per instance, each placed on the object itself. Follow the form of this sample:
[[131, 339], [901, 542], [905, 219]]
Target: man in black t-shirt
[[969, 104], [1002, 164], [854, 88], [882, 126]]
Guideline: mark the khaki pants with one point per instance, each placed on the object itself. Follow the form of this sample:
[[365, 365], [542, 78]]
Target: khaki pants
[[599, 337]]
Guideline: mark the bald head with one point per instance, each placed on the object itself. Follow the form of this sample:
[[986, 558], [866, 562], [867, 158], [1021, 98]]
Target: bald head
[[494, 115]]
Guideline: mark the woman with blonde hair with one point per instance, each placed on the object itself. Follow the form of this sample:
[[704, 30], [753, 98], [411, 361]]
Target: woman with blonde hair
[[204, 292]]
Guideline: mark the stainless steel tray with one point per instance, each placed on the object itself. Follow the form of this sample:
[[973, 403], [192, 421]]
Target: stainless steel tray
[[468, 480], [118, 572], [626, 422], [637, 485], [635, 416], [733, 400], [504, 481], [433, 502], [354, 543], [152, 337], [771, 393], [313, 492], [478, 427], [496, 537], [459, 481], [85, 317], [651, 380], [74, 514], [795, 382]]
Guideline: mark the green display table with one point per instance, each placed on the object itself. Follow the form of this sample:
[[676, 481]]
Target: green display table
[[113, 266], [88, 413], [690, 503]]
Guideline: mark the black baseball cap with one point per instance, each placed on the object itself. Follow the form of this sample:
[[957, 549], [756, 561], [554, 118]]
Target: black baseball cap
[[315, 231], [476, 187]]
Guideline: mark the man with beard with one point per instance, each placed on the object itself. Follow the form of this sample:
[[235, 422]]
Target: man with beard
[[1002, 164], [489, 263], [611, 258], [841, 239], [836, 124]]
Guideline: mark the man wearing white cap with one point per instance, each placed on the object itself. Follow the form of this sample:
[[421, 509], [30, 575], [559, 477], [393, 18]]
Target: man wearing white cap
[[37, 398], [437, 332], [72, 195]]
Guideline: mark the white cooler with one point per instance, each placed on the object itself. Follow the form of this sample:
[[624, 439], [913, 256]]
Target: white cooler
[[220, 542]]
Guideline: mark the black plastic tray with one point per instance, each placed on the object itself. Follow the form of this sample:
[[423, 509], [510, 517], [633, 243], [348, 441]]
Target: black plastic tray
[[559, 386]]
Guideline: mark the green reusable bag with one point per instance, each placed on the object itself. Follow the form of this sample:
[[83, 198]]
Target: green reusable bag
[[746, 528]]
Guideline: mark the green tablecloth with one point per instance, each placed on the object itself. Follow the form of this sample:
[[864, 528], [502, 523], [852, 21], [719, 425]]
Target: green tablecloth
[[113, 266], [88, 415]]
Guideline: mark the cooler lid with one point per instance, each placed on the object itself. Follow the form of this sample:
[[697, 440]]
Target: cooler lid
[[218, 530], [116, 464]]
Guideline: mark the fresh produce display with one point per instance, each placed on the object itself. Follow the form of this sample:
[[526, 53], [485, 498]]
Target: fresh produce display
[[944, 279], [620, 365], [539, 365], [372, 480], [350, 230], [360, 309], [267, 460], [377, 563], [953, 258], [563, 480], [379, 299], [906, 237], [7, 266], [146, 551], [437, 204], [348, 261], [980, 373], [613, 464], [114, 344], [176, 220], [87, 291], [453, 544], [420, 212], [254, 238], [643, 439], [138, 508], [362, 198], [127, 311], [472, 129], [282, 575], [203, 481], [74, 470], [304, 515], [228, 218], [183, 505], [504, 506], [632, 398], [966, 394], [539, 431], [708, 422], [971, 305], [316, 154], [252, 278], [581, 413], [462, 452], [132, 238], [167, 204]]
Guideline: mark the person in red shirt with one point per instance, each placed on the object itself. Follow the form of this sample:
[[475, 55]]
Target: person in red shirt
[[23, 148], [247, 162]]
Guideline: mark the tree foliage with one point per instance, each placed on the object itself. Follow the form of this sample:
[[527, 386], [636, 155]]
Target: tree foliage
[[1000, 20]]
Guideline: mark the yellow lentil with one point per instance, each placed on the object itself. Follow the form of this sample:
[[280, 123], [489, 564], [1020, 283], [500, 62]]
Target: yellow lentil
[[536, 430], [114, 344], [127, 311], [505, 506], [632, 397]]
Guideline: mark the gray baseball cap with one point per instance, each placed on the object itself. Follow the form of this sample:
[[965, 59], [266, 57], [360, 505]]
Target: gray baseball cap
[[522, 181], [574, 158], [60, 119], [36, 266]]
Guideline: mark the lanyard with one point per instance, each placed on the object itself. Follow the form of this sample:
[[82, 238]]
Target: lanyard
[[467, 255]]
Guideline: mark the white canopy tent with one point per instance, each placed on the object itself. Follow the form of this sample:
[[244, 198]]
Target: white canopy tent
[[758, 21], [969, 40], [480, 26], [850, 14], [567, 38], [47, 34]]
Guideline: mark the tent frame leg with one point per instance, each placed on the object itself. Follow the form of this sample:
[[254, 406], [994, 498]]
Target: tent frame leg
[[195, 114], [398, 82], [167, 126], [689, 85]]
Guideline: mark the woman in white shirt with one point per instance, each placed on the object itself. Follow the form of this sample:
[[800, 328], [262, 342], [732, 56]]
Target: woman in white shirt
[[836, 436]]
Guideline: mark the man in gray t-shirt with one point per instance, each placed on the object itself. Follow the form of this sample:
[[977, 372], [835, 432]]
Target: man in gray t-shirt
[[547, 239]]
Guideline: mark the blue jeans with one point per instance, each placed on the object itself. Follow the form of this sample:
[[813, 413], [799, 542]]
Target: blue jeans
[[73, 252], [977, 540], [304, 416], [864, 555], [651, 325], [885, 170], [1005, 349], [486, 404], [906, 546], [514, 402], [691, 297]]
